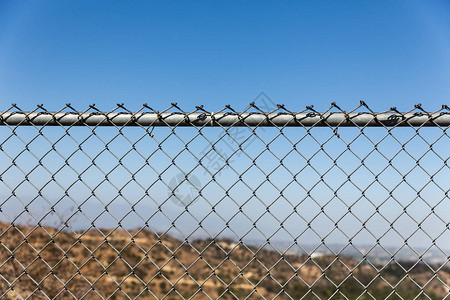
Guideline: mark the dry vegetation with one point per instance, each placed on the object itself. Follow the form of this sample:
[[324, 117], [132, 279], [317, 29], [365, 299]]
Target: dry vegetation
[[109, 264]]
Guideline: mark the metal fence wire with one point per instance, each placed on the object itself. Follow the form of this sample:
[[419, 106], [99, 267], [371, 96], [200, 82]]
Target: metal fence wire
[[271, 204]]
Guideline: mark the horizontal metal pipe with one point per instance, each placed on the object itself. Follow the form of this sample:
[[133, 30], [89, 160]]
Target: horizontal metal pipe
[[224, 119]]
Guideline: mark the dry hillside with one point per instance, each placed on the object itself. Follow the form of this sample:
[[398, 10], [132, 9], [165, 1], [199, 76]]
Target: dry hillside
[[100, 264]]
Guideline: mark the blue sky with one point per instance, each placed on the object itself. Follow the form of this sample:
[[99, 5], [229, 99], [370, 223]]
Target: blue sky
[[214, 53], [394, 53]]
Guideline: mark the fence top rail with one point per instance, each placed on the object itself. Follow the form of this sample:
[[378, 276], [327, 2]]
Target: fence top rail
[[226, 119]]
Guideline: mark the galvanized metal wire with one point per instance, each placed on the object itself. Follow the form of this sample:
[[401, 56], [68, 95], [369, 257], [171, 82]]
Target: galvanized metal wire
[[271, 204]]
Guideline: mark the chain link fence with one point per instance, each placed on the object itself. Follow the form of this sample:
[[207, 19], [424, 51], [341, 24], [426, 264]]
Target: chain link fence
[[263, 203]]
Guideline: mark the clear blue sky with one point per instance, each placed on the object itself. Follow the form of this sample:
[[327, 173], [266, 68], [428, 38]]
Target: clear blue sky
[[388, 53], [214, 53]]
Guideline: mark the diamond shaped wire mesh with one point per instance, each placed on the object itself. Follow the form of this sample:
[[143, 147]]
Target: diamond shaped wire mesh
[[271, 204]]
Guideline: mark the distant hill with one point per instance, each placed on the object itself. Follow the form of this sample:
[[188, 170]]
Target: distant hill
[[111, 263]]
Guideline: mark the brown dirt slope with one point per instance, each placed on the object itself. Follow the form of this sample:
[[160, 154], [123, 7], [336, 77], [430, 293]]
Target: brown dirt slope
[[96, 264]]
